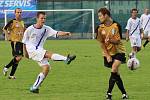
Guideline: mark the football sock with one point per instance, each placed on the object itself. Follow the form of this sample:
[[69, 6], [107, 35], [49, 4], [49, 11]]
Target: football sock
[[38, 81], [57, 57], [13, 61], [13, 70], [112, 81], [146, 42], [120, 84]]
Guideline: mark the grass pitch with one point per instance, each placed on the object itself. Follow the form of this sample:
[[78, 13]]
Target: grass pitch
[[84, 79]]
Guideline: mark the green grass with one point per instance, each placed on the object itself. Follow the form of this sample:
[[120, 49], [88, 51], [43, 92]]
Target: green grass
[[83, 79]]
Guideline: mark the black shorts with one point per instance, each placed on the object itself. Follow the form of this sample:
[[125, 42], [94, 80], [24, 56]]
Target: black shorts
[[119, 56], [17, 48]]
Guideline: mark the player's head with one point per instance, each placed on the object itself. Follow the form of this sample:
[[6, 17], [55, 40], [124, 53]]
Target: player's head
[[18, 12], [103, 14], [134, 13], [146, 11], [41, 17]]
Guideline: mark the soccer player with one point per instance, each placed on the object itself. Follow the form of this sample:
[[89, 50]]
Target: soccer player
[[134, 33], [14, 33], [34, 38], [145, 20], [109, 37]]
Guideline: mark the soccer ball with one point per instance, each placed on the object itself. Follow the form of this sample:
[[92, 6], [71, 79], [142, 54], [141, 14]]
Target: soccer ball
[[133, 63]]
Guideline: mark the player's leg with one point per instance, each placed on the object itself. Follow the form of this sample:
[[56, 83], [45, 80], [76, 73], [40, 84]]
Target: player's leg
[[18, 52], [40, 78], [147, 38], [6, 67], [117, 77], [111, 80], [136, 46], [119, 58], [58, 57], [14, 67], [133, 46]]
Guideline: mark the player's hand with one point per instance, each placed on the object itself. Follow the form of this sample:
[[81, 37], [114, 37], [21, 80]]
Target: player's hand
[[107, 39], [109, 58], [127, 39]]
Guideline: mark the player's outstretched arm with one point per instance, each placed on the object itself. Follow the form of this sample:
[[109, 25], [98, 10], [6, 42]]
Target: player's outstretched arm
[[7, 34], [25, 51], [127, 35], [61, 33]]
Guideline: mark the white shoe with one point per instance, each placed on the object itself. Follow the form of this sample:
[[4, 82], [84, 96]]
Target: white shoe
[[5, 70]]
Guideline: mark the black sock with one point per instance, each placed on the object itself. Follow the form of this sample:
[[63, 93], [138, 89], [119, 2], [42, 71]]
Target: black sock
[[112, 81], [13, 61], [146, 42], [120, 84], [13, 70]]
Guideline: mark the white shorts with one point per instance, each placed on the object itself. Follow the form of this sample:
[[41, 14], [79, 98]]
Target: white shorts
[[135, 41], [146, 33], [35, 54]]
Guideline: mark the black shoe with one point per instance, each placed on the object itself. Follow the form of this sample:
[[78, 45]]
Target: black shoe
[[108, 96], [70, 58], [34, 90], [125, 96]]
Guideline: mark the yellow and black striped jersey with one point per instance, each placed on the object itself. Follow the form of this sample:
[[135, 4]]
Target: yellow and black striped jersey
[[113, 31], [16, 30]]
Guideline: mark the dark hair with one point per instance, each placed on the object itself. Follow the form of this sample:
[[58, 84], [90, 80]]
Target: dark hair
[[41, 12], [134, 9], [17, 8], [104, 11]]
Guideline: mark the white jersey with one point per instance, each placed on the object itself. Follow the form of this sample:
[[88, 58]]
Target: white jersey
[[134, 26], [36, 37], [145, 21]]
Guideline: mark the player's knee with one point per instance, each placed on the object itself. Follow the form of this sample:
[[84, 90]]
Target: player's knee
[[18, 58], [46, 70], [48, 55], [114, 69]]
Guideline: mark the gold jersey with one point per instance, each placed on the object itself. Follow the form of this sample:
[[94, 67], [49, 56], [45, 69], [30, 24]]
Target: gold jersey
[[15, 29], [111, 32]]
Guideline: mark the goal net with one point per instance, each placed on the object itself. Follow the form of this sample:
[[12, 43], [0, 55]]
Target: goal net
[[80, 22]]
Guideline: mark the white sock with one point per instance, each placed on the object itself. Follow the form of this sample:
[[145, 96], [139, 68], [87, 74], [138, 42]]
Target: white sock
[[38, 81], [58, 57]]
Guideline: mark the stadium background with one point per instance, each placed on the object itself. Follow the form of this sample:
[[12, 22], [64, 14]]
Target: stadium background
[[80, 22]]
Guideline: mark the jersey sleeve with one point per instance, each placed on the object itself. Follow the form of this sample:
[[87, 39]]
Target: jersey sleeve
[[128, 25], [26, 36], [8, 24], [52, 32]]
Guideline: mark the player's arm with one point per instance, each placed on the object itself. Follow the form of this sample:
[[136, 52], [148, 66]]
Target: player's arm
[[25, 51], [6, 29], [141, 31], [128, 28], [25, 41], [115, 37], [102, 44], [127, 35], [61, 33]]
